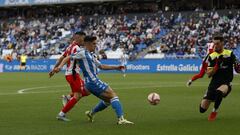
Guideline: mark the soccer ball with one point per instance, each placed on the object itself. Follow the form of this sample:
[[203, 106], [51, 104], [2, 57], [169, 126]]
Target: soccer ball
[[153, 98]]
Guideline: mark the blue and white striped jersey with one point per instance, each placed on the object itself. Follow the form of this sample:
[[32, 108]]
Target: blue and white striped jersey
[[88, 63]]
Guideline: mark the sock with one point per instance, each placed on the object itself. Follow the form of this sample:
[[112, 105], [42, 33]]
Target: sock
[[69, 105], [116, 105], [61, 113], [218, 100], [202, 110], [99, 107]]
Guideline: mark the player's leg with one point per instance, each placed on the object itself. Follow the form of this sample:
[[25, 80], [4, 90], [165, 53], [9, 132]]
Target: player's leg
[[99, 107], [220, 93], [66, 98], [104, 92], [206, 101], [76, 85], [110, 96], [204, 105], [97, 88], [24, 67], [21, 66], [84, 92]]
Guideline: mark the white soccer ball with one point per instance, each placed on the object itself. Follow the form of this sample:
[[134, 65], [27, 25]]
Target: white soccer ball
[[154, 98]]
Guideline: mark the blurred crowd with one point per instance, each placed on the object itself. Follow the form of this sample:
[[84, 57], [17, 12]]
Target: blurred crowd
[[191, 35], [48, 31]]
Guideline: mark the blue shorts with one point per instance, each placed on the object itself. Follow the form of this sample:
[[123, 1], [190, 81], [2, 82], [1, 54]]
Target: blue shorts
[[96, 87]]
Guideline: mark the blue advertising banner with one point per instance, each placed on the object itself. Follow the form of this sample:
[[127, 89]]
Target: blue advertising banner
[[138, 66], [40, 2]]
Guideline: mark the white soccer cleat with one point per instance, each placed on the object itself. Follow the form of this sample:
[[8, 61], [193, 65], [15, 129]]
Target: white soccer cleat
[[64, 100], [122, 121], [62, 118], [90, 116], [189, 83]]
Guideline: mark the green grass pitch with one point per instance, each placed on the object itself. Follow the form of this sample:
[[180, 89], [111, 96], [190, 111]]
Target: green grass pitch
[[34, 111]]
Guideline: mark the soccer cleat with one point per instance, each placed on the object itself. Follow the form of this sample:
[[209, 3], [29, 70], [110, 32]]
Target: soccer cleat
[[122, 121], [212, 116], [90, 116], [64, 100], [62, 118], [189, 83]]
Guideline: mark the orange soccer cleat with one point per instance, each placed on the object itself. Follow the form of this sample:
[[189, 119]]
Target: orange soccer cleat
[[212, 116]]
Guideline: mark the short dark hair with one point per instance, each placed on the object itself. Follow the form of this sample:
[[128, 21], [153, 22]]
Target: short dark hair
[[80, 33], [218, 37], [90, 39]]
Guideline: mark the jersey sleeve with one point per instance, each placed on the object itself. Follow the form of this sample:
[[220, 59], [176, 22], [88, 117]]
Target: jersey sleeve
[[78, 55]]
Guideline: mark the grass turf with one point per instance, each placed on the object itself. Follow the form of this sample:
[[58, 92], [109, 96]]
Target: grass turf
[[34, 111]]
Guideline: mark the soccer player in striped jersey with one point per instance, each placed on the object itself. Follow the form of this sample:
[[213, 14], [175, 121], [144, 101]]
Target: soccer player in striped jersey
[[72, 76], [89, 66], [204, 65]]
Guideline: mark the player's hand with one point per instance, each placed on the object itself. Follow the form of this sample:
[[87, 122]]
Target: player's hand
[[121, 67], [51, 74], [57, 69], [189, 83]]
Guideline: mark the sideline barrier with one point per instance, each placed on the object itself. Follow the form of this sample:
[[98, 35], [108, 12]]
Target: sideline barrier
[[138, 66]]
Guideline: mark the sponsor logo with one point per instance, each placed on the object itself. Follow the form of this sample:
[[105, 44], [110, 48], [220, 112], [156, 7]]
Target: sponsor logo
[[16, 2], [8, 67], [46, 1], [176, 68], [138, 67]]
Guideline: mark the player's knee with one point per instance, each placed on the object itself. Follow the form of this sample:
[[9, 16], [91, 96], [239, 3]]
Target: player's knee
[[77, 96], [219, 93], [202, 110], [110, 94]]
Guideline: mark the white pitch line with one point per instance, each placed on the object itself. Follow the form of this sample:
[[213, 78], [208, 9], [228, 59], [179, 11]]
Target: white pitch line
[[178, 84], [21, 91]]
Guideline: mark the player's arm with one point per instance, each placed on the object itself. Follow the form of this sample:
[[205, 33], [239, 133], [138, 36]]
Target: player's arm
[[78, 55], [108, 67], [64, 61], [51, 73]]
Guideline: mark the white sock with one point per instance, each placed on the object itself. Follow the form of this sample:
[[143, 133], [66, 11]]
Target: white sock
[[121, 118], [61, 114], [214, 110]]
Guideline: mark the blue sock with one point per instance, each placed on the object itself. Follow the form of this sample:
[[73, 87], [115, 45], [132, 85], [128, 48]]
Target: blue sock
[[116, 105], [99, 107]]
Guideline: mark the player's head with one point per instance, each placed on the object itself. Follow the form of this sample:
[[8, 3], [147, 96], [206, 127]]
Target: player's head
[[79, 37], [90, 43], [218, 41]]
